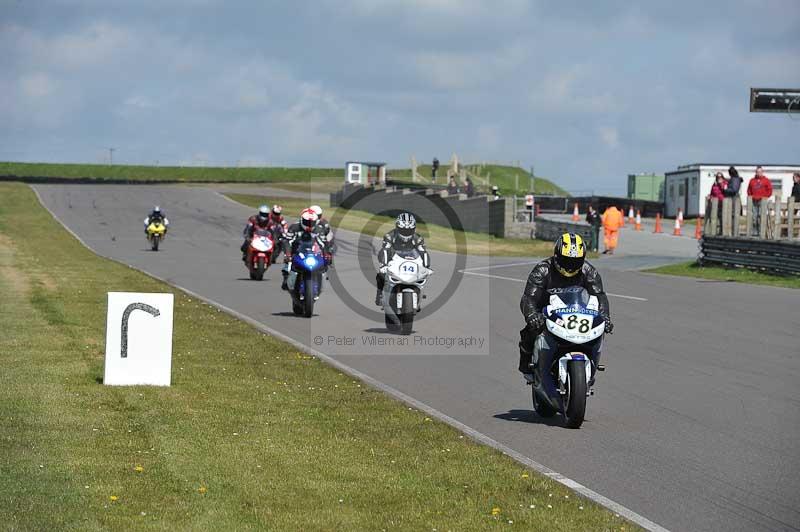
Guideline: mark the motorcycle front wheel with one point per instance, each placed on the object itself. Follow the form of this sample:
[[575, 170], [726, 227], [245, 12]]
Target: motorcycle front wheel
[[575, 398], [308, 294], [407, 314], [154, 242], [259, 271]]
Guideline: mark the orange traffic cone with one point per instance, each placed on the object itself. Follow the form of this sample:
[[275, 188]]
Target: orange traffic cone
[[575, 214], [638, 221], [630, 214], [658, 223], [697, 231], [680, 215], [677, 230]]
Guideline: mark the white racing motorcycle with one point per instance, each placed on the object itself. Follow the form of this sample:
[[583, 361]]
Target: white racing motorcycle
[[575, 326], [404, 277]]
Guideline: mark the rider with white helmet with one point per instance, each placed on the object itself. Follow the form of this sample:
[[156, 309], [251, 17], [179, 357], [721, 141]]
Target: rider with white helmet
[[156, 216]]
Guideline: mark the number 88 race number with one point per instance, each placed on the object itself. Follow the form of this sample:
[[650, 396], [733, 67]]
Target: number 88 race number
[[574, 321]]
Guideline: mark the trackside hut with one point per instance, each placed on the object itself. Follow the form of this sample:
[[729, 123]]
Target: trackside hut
[[689, 185]]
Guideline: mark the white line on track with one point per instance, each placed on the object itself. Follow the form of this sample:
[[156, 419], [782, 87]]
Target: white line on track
[[499, 266], [465, 272], [480, 437]]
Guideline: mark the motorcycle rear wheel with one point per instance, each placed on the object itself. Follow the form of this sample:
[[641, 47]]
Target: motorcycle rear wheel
[[542, 408]]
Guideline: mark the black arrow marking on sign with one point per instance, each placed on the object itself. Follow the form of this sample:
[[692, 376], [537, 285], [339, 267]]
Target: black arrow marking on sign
[[126, 316]]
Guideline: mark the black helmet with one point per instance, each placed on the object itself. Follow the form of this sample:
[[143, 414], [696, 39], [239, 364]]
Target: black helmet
[[406, 226], [569, 254]]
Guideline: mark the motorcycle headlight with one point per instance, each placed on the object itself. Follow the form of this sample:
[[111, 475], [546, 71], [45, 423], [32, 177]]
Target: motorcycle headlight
[[310, 262]]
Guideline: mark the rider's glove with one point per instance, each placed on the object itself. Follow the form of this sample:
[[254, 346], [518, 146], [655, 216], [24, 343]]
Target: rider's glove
[[536, 321], [383, 270], [609, 326]]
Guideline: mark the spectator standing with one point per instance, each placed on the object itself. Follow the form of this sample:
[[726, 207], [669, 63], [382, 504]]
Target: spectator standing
[[452, 187], [612, 221], [469, 188], [733, 191], [759, 189], [796, 187], [434, 169], [593, 219], [717, 193], [734, 184], [495, 192]]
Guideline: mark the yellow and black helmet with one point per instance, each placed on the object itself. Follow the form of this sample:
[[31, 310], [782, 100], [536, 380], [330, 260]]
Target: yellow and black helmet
[[569, 254]]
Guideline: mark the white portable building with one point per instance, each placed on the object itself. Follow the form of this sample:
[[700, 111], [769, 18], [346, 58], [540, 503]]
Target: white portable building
[[688, 186]]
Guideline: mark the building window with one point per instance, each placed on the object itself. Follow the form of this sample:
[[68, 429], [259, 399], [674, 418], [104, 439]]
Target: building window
[[672, 191], [777, 189], [694, 186]]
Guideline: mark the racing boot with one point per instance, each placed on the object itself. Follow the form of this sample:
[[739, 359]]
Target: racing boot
[[285, 274], [527, 366], [379, 297]]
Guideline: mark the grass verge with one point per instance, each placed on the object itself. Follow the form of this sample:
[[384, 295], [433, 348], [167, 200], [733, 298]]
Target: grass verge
[[719, 273], [184, 174], [252, 434], [436, 237]]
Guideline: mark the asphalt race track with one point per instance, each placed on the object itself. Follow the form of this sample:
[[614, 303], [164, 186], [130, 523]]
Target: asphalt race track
[[695, 424]]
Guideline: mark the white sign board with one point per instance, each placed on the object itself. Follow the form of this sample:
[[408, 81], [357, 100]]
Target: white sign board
[[138, 339]]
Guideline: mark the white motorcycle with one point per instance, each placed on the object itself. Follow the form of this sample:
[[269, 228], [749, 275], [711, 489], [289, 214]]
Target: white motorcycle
[[405, 275], [574, 324]]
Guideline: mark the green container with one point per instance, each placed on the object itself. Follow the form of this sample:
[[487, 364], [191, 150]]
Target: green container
[[649, 187]]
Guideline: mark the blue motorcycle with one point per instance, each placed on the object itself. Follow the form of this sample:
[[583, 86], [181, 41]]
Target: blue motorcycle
[[305, 277]]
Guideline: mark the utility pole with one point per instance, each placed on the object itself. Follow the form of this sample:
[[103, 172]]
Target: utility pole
[[533, 181], [111, 155]]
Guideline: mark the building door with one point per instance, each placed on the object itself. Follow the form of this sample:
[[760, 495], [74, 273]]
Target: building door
[[686, 196]]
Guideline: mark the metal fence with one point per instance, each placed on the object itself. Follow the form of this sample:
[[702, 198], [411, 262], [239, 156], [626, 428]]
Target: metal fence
[[551, 230], [776, 256]]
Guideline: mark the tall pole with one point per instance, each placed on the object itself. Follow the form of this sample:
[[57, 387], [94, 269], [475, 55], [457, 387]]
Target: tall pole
[[533, 181], [111, 155]]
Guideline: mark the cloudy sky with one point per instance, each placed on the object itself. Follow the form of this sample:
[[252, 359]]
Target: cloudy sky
[[585, 91]]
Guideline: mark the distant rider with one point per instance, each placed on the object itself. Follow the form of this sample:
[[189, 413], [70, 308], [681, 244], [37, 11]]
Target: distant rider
[[403, 237], [260, 220], [567, 267], [304, 230], [155, 217], [278, 224]]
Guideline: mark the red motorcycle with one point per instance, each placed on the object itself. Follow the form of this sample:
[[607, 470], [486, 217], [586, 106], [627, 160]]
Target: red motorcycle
[[259, 253]]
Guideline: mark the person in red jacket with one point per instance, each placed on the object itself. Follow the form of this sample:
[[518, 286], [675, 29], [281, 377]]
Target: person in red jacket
[[759, 188], [718, 188]]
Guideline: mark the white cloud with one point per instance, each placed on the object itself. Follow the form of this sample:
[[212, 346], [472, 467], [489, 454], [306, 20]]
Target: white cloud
[[609, 136], [37, 85], [575, 89]]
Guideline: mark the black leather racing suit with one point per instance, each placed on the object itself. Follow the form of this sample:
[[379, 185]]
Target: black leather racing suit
[[391, 243], [542, 278]]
